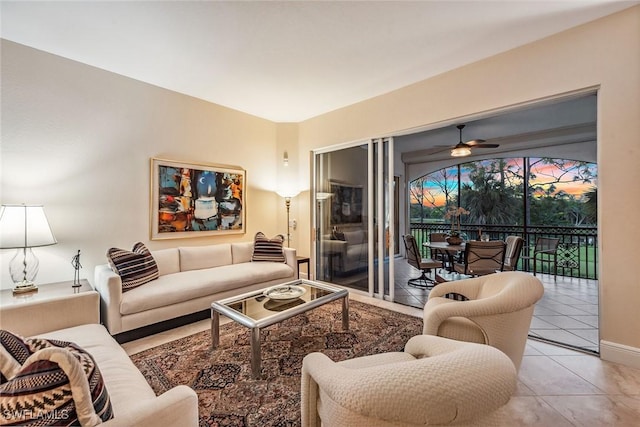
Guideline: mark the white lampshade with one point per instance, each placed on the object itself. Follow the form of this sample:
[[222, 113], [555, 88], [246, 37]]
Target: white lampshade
[[288, 191], [24, 226]]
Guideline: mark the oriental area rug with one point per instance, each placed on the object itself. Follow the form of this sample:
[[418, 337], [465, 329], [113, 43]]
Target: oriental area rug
[[229, 397]]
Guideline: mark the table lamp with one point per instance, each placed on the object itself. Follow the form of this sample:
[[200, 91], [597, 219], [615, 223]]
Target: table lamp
[[24, 227]]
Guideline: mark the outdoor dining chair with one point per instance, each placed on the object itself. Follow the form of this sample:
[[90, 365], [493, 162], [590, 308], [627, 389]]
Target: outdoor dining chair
[[512, 252], [545, 252], [482, 258], [414, 258], [437, 254]]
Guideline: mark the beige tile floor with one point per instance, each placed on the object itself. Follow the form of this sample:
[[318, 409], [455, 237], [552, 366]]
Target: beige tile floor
[[567, 313], [557, 386]]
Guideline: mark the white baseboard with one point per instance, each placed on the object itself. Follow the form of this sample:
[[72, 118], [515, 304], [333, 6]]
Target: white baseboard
[[620, 353]]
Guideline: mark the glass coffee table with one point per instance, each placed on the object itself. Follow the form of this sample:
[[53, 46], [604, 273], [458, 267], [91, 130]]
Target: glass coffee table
[[265, 307]]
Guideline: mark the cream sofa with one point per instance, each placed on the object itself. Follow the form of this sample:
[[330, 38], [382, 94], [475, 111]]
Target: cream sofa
[[190, 279], [133, 401], [351, 253]]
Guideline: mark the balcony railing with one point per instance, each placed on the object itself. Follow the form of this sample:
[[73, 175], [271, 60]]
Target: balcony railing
[[577, 252]]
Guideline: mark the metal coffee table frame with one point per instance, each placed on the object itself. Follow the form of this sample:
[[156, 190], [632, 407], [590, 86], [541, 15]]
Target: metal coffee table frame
[[225, 307]]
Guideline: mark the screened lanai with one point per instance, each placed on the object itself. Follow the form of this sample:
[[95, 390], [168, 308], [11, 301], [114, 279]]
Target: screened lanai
[[541, 181], [538, 178]]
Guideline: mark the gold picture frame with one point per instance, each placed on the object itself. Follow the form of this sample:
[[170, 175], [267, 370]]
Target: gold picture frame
[[196, 199]]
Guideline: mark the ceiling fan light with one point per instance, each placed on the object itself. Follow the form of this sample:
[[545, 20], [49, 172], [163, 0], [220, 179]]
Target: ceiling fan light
[[460, 151]]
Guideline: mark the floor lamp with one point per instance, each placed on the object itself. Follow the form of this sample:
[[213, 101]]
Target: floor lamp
[[288, 195]]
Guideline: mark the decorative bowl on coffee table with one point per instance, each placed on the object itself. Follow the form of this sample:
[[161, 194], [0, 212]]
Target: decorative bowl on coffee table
[[284, 292]]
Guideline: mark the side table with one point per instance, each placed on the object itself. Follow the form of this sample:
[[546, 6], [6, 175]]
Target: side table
[[54, 306], [303, 260]]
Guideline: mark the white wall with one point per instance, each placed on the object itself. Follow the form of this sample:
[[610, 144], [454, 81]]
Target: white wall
[[78, 140], [288, 179]]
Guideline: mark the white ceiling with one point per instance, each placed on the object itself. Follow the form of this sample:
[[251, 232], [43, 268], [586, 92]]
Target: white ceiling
[[288, 61], [554, 123]]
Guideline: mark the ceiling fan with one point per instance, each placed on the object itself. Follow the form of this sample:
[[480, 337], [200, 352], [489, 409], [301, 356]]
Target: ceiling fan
[[462, 149]]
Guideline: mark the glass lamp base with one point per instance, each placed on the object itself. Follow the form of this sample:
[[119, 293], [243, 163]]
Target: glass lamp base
[[23, 267]]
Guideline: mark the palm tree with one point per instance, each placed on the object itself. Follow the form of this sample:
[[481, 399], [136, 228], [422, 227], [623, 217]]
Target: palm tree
[[489, 199], [591, 205]]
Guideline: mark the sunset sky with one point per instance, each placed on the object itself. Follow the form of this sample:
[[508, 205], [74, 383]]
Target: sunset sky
[[543, 172]]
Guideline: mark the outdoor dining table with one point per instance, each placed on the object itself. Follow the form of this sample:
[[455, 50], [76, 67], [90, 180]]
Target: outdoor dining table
[[451, 250]]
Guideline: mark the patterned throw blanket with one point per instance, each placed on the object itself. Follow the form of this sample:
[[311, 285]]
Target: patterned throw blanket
[[49, 382]]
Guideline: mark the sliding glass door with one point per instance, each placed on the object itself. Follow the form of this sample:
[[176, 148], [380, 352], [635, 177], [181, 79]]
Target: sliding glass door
[[352, 196]]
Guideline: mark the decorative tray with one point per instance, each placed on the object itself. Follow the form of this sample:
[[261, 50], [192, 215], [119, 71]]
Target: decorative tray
[[284, 292]]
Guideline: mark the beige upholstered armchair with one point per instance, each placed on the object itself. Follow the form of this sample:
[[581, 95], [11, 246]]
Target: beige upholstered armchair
[[498, 311], [435, 381]]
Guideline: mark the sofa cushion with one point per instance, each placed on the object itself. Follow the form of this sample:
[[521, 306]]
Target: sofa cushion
[[168, 261], [177, 288], [135, 267], [58, 382], [241, 252], [201, 257], [354, 237], [265, 249]]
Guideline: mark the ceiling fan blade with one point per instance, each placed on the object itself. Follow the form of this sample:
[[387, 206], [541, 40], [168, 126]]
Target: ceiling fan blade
[[486, 146], [474, 142]]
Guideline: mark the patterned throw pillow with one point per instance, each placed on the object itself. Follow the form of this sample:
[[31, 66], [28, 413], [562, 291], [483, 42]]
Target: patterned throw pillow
[[268, 249], [337, 235], [58, 384], [135, 267]]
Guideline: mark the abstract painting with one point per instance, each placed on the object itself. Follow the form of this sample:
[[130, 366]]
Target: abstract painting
[[346, 204], [195, 200]]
